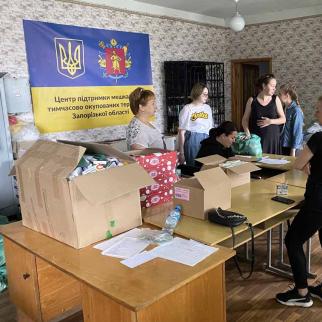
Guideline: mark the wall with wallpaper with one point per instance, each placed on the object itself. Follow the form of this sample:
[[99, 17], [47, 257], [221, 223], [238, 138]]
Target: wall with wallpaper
[[169, 40], [295, 46], [296, 50]]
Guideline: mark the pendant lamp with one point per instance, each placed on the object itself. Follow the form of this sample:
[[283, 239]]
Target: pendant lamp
[[237, 22]]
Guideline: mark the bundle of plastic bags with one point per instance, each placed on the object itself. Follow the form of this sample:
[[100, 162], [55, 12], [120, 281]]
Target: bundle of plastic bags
[[248, 145]]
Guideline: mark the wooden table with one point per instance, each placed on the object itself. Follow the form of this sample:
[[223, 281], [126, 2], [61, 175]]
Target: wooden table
[[293, 177], [48, 278], [252, 199]]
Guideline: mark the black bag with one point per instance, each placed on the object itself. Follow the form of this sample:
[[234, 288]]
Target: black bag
[[233, 219], [226, 218]]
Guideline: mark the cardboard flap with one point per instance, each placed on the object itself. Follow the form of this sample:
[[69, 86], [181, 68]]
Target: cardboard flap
[[112, 183], [210, 178], [52, 157], [212, 159], [100, 148], [244, 168]]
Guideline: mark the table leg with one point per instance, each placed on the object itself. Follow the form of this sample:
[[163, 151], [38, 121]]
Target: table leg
[[285, 269]]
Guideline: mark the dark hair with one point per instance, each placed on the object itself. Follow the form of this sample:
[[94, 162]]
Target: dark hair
[[139, 96], [264, 80], [291, 90], [225, 127], [197, 90]]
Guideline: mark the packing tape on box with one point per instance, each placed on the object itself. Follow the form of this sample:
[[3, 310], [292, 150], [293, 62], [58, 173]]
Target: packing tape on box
[[21, 185]]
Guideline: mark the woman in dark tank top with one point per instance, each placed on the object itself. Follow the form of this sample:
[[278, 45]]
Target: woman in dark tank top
[[264, 114]]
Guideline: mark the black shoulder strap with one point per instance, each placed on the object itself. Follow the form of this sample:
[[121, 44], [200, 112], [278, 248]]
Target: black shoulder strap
[[250, 227]]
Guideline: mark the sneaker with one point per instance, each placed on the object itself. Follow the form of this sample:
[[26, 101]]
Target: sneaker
[[316, 291], [292, 298]]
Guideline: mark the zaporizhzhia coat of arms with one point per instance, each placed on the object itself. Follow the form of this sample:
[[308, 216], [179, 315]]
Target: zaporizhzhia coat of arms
[[114, 59]]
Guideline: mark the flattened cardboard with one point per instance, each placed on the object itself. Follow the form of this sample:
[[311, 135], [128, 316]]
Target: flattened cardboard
[[208, 189], [82, 211]]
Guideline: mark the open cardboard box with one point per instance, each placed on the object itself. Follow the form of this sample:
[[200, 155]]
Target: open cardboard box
[[83, 210], [239, 174], [206, 190]]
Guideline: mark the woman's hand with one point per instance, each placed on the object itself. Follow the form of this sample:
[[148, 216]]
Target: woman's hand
[[307, 169], [264, 121], [182, 159]]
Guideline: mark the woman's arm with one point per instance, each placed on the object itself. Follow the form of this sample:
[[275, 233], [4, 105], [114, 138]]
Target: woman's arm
[[245, 119], [137, 147], [302, 162], [181, 134], [265, 121]]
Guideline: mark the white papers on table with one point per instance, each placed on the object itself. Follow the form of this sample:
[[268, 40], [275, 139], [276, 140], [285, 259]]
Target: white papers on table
[[138, 259], [273, 161], [134, 233], [188, 252], [126, 247]]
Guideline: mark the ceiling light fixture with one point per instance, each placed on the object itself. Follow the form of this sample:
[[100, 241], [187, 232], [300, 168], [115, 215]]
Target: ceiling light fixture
[[237, 22]]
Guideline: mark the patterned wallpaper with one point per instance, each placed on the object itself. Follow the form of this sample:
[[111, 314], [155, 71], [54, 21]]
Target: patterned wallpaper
[[169, 40], [294, 45], [296, 50]]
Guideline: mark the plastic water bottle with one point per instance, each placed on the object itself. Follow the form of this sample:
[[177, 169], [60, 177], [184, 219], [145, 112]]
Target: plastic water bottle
[[170, 224], [172, 220]]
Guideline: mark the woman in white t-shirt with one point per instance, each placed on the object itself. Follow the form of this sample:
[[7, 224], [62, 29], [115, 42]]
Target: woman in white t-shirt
[[195, 121], [140, 133]]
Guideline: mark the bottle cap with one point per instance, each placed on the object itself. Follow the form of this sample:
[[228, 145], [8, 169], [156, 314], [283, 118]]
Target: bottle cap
[[178, 207]]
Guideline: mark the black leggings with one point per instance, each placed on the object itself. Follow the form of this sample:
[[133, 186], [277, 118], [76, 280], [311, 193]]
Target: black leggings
[[305, 224]]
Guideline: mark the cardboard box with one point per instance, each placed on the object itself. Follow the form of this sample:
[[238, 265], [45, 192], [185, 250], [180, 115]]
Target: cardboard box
[[161, 166], [206, 190], [239, 174], [83, 210], [19, 148]]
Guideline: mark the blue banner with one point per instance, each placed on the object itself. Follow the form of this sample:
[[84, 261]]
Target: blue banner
[[76, 72]]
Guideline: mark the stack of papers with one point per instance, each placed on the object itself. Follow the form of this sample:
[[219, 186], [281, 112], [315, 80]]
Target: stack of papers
[[188, 252], [129, 246], [273, 161]]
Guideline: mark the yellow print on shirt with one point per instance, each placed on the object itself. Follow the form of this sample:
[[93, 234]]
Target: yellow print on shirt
[[199, 115]]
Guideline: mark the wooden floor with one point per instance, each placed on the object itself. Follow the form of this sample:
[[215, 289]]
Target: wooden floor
[[247, 301], [254, 300]]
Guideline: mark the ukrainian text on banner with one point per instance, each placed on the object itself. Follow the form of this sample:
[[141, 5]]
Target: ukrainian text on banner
[[81, 77]]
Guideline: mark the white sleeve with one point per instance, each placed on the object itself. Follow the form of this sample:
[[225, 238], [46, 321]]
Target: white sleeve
[[184, 118], [211, 121]]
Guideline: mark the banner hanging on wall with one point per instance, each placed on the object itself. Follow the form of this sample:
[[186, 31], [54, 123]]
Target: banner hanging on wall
[[81, 77]]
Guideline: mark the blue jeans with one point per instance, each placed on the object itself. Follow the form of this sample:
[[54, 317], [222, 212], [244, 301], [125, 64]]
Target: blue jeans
[[191, 146]]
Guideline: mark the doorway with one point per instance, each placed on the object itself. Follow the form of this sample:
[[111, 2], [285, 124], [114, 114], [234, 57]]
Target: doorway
[[244, 75]]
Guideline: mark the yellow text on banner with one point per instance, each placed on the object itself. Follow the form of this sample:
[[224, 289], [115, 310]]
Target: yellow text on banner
[[58, 109]]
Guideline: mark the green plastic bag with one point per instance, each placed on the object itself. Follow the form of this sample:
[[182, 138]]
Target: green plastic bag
[[3, 271], [251, 146]]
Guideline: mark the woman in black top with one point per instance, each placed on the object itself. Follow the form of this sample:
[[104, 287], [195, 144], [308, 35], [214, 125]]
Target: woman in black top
[[264, 114], [220, 141], [307, 222]]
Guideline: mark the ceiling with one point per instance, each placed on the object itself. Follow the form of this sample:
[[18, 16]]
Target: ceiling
[[218, 12]]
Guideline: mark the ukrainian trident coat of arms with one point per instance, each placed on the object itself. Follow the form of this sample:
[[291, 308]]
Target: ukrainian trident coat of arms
[[70, 57]]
